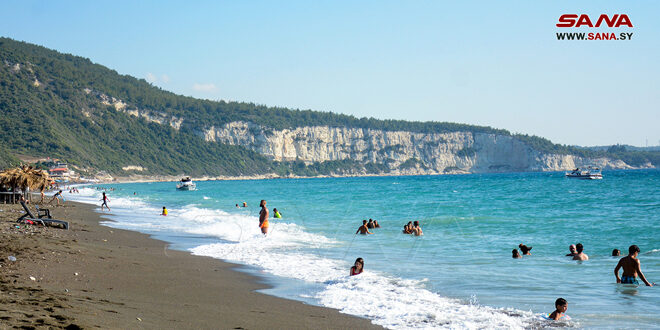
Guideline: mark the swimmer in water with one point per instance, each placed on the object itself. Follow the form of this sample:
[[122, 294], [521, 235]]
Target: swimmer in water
[[525, 249], [580, 255], [631, 268], [276, 214], [616, 253], [572, 249], [164, 211], [515, 254], [416, 229], [363, 230], [376, 225], [370, 224], [561, 305], [358, 267]]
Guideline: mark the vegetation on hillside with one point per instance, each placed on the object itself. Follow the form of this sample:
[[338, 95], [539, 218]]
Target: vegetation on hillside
[[47, 112]]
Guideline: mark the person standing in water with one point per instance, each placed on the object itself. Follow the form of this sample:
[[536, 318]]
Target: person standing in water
[[276, 214], [515, 254], [263, 217], [572, 249], [364, 230], [580, 255], [358, 267], [105, 200], [164, 211], [631, 268], [561, 305]]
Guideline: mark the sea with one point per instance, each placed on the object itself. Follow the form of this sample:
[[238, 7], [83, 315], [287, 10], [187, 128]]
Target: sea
[[459, 274]]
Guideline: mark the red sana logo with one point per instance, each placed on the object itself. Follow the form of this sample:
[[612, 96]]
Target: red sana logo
[[575, 20]]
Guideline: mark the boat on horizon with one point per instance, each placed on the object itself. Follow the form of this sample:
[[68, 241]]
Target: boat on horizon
[[186, 184], [591, 173]]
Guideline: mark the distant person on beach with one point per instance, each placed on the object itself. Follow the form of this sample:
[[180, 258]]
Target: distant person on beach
[[277, 214], [631, 268], [358, 267], [525, 249], [363, 230], [244, 204], [105, 200], [580, 255], [616, 253], [376, 225], [561, 305], [57, 197], [370, 224], [164, 211], [43, 195], [515, 254], [572, 249], [417, 230], [263, 217]]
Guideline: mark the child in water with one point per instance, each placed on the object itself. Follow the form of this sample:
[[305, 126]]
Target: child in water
[[164, 211], [358, 267], [560, 308], [276, 213], [515, 254]]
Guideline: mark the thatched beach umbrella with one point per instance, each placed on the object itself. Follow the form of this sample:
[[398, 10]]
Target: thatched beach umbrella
[[25, 177]]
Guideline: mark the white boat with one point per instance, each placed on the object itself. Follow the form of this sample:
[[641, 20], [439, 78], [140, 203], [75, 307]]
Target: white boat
[[186, 184], [591, 173]]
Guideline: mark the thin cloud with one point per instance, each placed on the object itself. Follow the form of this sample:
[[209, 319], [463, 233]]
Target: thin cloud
[[204, 87], [165, 78], [151, 78]]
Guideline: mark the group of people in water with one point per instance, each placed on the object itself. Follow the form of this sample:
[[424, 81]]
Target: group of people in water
[[366, 225], [630, 264], [413, 228]]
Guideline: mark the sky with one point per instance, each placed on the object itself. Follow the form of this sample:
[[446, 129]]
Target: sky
[[491, 63]]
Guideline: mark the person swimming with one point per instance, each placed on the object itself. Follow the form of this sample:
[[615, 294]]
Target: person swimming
[[561, 305], [363, 230], [580, 255], [276, 214], [631, 268], [572, 249], [358, 267], [370, 224], [525, 249], [416, 229], [616, 253], [376, 225], [515, 254]]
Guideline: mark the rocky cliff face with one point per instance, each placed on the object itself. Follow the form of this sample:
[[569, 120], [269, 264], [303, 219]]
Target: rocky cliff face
[[402, 152]]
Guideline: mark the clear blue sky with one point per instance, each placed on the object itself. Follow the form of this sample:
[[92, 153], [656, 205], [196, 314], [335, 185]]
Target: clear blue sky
[[495, 63]]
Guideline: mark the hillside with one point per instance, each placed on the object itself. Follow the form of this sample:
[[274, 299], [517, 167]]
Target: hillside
[[62, 106]]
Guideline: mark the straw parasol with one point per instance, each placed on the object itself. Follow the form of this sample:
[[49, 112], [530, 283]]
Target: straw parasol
[[25, 177]]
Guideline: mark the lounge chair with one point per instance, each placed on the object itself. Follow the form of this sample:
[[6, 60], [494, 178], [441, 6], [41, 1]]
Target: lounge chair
[[29, 216]]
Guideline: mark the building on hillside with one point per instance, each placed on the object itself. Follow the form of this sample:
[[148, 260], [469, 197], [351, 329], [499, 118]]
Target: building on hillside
[[61, 172]]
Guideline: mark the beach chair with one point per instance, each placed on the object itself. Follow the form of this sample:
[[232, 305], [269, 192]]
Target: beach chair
[[29, 216], [42, 212]]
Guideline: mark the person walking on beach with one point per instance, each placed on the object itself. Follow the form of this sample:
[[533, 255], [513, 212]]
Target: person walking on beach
[[631, 268], [363, 230], [105, 200], [358, 267], [263, 218], [580, 255], [57, 197], [572, 249]]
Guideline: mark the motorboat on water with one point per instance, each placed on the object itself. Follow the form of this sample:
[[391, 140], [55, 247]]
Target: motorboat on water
[[591, 173], [186, 184]]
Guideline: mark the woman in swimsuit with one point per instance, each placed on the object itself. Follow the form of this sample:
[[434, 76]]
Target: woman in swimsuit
[[263, 218], [358, 267]]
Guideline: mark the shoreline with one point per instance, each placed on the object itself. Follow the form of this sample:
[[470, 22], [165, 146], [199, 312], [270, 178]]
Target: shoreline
[[273, 176], [97, 276]]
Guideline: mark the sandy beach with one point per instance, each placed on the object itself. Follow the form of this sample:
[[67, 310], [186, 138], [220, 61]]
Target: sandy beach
[[93, 276]]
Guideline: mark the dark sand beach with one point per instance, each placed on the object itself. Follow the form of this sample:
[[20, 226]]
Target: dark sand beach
[[93, 276]]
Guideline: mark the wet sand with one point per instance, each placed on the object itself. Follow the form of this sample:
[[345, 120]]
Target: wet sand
[[93, 276]]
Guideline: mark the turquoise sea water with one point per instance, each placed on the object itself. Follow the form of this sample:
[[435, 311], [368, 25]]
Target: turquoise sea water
[[460, 274]]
